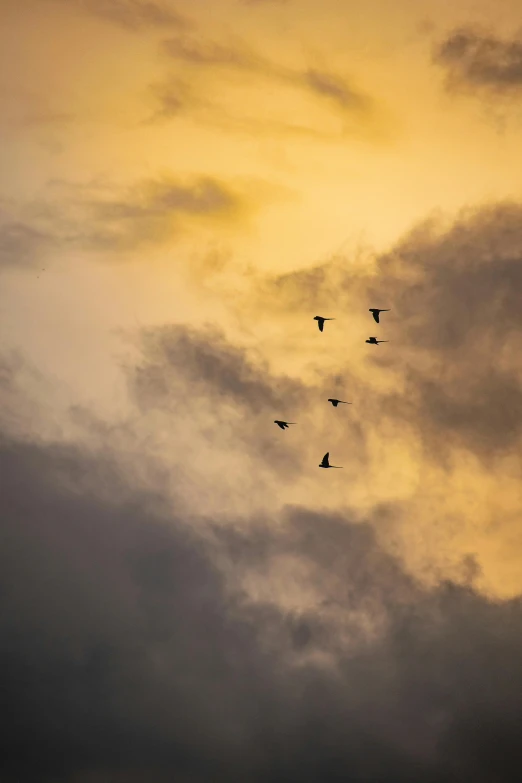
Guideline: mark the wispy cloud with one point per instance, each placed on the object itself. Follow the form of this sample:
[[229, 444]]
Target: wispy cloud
[[113, 219], [237, 57], [337, 89], [133, 14], [22, 245]]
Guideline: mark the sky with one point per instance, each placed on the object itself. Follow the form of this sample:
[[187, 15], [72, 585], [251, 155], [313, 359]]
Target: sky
[[184, 595]]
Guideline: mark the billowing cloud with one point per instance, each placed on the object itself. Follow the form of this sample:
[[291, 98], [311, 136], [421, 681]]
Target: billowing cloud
[[478, 60], [119, 614], [455, 296], [454, 326]]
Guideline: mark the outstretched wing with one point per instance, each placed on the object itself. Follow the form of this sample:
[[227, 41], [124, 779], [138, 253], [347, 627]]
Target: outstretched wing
[[325, 459], [320, 324]]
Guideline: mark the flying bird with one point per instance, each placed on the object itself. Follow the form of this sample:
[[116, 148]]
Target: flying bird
[[320, 321], [335, 402], [283, 424], [375, 312], [375, 341], [326, 464]]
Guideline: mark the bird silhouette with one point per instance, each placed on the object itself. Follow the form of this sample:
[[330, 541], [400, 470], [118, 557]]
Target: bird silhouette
[[375, 341], [320, 321], [375, 312], [335, 402], [326, 464], [283, 424]]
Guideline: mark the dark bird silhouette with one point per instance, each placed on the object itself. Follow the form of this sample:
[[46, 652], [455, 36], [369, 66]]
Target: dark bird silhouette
[[375, 341], [283, 424], [320, 321], [375, 312], [335, 402], [326, 464]]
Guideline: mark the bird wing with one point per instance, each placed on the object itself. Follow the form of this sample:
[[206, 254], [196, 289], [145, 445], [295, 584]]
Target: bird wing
[[376, 316], [320, 324], [325, 458]]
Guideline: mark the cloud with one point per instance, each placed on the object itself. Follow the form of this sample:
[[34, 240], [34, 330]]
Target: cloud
[[209, 363], [229, 391], [235, 56], [198, 51], [22, 245], [335, 88], [119, 614], [480, 61], [105, 219], [172, 98], [134, 14], [455, 296], [452, 370], [176, 97]]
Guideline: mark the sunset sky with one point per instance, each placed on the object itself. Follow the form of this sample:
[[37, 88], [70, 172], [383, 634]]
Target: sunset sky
[[184, 595]]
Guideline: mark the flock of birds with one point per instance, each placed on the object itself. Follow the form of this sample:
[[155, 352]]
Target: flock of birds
[[375, 311]]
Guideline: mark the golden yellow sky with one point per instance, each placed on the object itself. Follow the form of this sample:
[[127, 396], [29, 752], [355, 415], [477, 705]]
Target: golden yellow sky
[[184, 595], [178, 163]]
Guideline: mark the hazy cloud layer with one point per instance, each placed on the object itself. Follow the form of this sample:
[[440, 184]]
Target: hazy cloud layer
[[478, 60]]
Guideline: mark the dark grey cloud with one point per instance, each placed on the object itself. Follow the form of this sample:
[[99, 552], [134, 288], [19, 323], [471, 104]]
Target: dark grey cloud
[[455, 297], [132, 647], [479, 60], [129, 654]]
